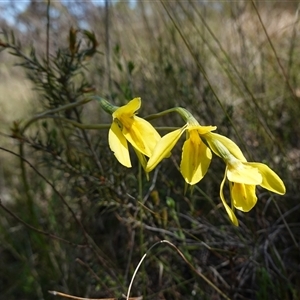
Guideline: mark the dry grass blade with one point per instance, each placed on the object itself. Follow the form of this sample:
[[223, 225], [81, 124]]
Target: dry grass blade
[[274, 51], [80, 298], [185, 260]]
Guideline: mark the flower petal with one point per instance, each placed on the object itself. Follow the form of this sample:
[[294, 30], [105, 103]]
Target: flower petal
[[118, 144], [128, 109], [271, 181], [142, 135], [229, 144], [202, 129], [196, 158], [243, 196], [164, 147], [243, 173], [229, 211]]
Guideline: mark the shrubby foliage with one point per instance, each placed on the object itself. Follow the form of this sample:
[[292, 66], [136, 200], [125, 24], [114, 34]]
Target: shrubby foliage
[[74, 220]]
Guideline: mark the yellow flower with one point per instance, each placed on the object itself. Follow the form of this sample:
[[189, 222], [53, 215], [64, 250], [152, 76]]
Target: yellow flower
[[196, 156], [243, 176], [127, 127]]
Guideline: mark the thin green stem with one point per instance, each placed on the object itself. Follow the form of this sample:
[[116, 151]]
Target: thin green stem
[[90, 126], [185, 114], [141, 216], [55, 110], [29, 199], [105, 105], [79, 125]]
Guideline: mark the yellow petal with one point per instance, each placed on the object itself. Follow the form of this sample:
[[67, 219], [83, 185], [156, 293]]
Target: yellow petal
[[243, 173], [142, 135], [243, 196], [196, 158], [202, 129], [128, 109], [271, 181], [118, 145], [164, 147], [229, 144], [229, 211]]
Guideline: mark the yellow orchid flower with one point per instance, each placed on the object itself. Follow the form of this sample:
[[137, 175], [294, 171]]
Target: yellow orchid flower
[[127, 127], [243, 176], [196, 156]]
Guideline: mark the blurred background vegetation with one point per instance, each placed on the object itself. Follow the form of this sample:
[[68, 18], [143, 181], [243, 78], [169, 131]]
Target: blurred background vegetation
[[73, 220]]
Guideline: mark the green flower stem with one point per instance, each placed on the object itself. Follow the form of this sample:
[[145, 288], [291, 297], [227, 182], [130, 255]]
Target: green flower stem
[[87, 126], [185, 114], [92, 126], [159, 128], [55, 110], [223, 152], [141, 231], [105, 105], [29, 198], [80, 125], [104, 126]]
